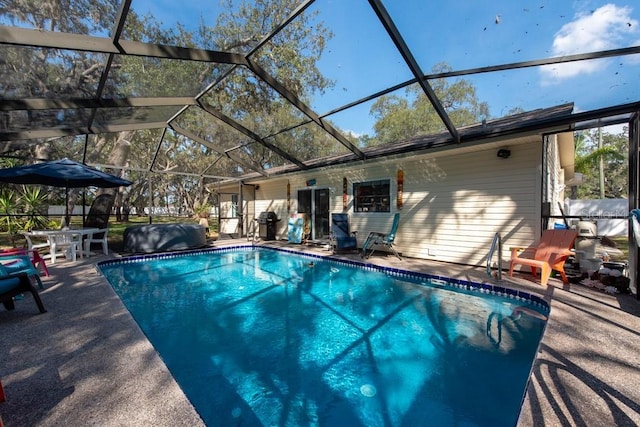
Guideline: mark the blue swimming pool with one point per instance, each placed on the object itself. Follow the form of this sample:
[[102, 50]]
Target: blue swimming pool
[[267, 337]]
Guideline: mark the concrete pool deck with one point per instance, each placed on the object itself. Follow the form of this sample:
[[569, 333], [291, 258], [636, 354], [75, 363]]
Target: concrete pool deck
[[86, 361]]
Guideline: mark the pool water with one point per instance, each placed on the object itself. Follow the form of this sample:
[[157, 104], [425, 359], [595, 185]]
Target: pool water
[[266, 337]]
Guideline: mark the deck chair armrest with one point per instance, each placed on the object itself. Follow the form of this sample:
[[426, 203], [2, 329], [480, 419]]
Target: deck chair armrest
[[39, 241], [562, 255], [516, 251], [523, 254], [99, 234]]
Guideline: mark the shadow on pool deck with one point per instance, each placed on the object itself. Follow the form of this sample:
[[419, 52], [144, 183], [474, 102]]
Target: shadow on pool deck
[[86, 361]]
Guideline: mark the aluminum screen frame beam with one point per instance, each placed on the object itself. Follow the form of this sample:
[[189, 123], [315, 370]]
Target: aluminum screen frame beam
[[404, 50], [250, 134], [73, 103], [79, 42], [206, 143]]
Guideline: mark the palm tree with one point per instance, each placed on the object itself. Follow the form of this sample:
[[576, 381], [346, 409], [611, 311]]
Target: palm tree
[[9, 206], [588, 159], [34, 203]]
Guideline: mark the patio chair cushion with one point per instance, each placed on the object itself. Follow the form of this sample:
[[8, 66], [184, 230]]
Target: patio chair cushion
[[14, 264], [343, 238], [9, 283]]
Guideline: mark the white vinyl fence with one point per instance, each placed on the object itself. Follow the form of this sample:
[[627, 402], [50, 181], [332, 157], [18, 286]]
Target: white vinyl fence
[[58, 210], [602, 211]]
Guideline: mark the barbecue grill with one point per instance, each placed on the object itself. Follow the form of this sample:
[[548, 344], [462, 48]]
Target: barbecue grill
[[267, 222]]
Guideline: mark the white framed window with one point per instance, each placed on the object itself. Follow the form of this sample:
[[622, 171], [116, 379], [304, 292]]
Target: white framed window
[[372, 196]]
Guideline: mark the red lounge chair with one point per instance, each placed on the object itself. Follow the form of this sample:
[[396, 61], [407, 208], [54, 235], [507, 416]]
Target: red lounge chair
[[36, 259]]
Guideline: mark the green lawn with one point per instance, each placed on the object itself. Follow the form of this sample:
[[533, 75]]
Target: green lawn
[[622, 243]]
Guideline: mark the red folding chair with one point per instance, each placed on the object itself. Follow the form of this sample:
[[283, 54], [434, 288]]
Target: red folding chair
[[36, 259]]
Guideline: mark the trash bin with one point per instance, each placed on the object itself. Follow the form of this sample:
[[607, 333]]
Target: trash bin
[[267, 225]]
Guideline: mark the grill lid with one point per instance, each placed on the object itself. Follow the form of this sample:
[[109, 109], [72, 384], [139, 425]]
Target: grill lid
[[267, 216]]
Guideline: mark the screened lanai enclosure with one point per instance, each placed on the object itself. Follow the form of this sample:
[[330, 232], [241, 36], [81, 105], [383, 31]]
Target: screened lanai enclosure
[[183, 97]]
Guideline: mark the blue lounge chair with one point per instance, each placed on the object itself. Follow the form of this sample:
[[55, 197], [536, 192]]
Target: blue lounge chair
[[386, 240], [16, 264], [12, 285], [342, 238]]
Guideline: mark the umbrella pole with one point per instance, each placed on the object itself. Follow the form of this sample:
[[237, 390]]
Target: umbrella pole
[[66, 207]]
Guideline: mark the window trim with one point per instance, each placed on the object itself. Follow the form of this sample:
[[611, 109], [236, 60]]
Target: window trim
[[388, 181]]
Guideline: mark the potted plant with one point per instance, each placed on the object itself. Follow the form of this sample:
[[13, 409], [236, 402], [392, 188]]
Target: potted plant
[[202, 210]]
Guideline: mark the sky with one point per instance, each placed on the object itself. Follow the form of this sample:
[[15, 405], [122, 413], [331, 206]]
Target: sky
[[465, 34], [468, 34]]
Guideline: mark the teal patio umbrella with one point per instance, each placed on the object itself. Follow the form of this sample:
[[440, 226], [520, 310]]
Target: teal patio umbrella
[[62, 173]]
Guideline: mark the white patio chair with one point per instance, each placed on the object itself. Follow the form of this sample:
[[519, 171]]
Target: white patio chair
[[98, 236], [35, 246], [65, 240]]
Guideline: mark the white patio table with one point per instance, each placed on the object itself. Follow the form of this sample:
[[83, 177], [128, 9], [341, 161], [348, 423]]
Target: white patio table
[[72, 239]]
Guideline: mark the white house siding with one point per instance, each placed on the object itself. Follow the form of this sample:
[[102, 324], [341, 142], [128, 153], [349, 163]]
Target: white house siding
[[454, 202], [272, 196], [457, 203]]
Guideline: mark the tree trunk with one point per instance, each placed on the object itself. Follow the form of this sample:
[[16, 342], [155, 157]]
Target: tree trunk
[[71, 204], [118, 157]]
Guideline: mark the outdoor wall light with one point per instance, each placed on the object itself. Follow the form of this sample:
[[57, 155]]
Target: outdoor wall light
[[504, 153]]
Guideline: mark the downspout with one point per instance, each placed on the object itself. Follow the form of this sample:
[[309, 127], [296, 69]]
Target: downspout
[[218, 203], [150, 197], [240, 212], [546, 208], [634, 201]]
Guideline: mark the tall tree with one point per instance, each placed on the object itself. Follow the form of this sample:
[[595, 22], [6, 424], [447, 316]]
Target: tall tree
[[402, 117], [614, 153], [290, 57]]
